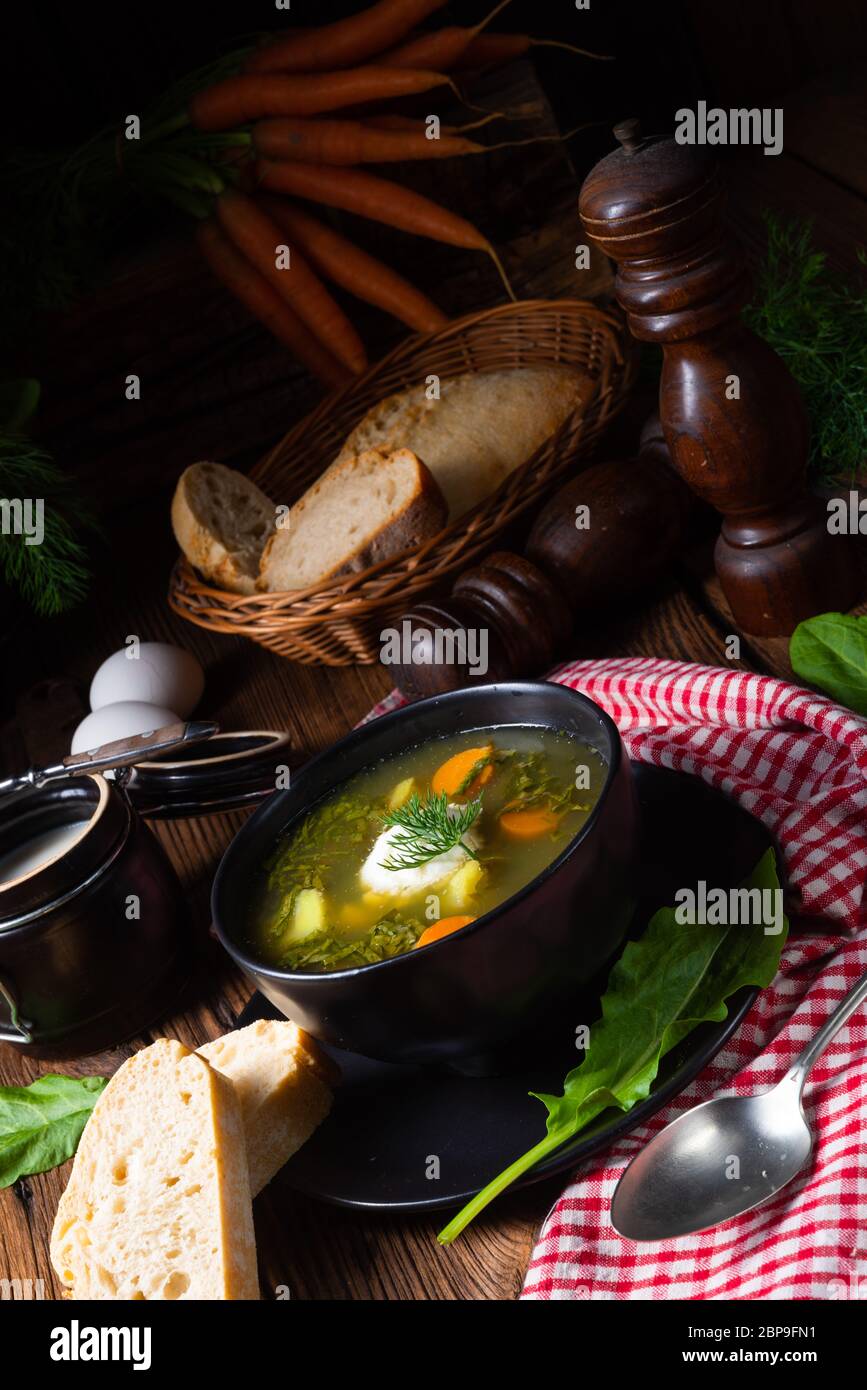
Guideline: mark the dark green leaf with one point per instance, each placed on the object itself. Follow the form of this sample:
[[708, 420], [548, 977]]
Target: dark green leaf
[[664, 985], [41, 1124], [830, 651]]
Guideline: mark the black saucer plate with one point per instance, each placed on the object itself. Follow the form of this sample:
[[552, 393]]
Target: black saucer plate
[[389, 1123]]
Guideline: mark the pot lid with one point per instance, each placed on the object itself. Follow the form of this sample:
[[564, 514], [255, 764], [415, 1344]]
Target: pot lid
[[230, 770], [184, 769]]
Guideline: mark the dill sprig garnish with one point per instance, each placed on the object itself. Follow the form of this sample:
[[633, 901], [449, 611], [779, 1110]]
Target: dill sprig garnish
[[429, 828], [54, 575], [818, 325]]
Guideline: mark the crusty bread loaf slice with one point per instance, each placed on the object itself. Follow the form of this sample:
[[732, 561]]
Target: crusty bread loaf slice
[[221, 522], [282, 1083], [158, 1205], [370, 508], [482, 427]]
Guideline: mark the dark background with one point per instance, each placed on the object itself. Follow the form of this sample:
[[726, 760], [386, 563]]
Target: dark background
[[68, 70], [69, 67]]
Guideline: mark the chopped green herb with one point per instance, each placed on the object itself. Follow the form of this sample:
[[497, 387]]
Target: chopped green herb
[[333, 829], [389, 937], [532, 783]]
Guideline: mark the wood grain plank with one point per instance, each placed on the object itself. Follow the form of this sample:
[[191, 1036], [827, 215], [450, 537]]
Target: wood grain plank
[[315, 1250], [794, 190], [826, 126], [770, 653]]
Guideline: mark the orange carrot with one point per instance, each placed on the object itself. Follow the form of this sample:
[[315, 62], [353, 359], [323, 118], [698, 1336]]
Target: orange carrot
[[440, 48], [453, 773], [252, 289], [236, 100], [392, 120], [355, 190], [444, 48], [529, 825], [346, 42], [354, 270], [491, 50], [442, 928], [351, 142], [254, 234]]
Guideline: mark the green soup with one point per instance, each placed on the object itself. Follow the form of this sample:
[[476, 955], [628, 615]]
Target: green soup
[[420, 845]]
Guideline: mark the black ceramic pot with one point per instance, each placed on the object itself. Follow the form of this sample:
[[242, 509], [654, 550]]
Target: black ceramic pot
[[481, 987], [94, 942]]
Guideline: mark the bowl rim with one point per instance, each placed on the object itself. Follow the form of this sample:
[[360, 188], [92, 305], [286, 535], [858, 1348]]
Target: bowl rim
[[387, 721]]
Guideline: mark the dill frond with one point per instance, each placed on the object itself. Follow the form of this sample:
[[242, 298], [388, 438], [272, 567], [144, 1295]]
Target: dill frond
[[53, 576], [818, 324]]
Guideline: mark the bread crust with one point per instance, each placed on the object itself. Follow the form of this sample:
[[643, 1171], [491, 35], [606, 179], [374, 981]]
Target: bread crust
[[283, 1082], [481, 427]]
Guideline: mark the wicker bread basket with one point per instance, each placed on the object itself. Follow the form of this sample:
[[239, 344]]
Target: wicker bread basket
[[339, 624]]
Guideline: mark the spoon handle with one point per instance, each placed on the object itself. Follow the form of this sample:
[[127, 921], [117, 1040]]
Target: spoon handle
[[803, 1063]]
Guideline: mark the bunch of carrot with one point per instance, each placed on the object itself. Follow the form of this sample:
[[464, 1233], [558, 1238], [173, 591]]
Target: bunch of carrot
[[279, 115]]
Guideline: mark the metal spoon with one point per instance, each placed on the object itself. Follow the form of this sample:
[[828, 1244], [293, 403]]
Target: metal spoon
[[725, 1156]]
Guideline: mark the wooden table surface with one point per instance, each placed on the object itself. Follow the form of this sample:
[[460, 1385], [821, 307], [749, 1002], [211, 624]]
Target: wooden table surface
[[317, 1250]]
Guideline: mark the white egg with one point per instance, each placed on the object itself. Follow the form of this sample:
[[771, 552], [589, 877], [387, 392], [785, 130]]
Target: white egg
[[121, 720], [152, 673]]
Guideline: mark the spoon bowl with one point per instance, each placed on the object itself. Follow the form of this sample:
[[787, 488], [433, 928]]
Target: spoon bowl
[[713, 1163]]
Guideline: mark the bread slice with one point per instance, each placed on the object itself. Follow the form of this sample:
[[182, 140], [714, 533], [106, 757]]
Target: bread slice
[[482, 427], [282, 1083], [370, 508], [221, 522], [158, 1205]]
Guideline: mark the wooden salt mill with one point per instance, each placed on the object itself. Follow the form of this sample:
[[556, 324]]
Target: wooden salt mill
[[731, 413], [526, 604]]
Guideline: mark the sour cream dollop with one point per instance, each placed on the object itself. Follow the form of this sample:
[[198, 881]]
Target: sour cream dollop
[[400, 883]]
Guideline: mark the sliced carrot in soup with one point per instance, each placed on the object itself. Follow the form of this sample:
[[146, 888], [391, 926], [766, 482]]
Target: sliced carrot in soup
[[451, 777], [442, 928], [529, 825]]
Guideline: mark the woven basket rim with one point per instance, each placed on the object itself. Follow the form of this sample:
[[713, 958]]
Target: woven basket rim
[[321, 603]]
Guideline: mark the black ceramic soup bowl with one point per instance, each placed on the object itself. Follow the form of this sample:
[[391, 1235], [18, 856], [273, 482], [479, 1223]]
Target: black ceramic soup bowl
[[505, 973]]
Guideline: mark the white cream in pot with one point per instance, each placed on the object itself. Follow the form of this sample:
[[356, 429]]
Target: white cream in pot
[[38, 850]]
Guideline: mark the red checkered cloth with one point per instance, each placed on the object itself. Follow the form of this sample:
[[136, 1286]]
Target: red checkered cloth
[[798, 763]]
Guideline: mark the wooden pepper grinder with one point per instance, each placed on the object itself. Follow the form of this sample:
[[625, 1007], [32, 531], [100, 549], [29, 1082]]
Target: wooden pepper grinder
[[732, 415], [516, 612]]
